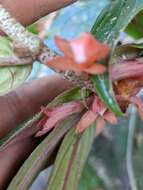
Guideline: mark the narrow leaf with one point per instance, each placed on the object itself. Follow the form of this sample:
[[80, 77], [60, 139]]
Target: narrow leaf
[[21, 131], [39, 158], [71, 160]]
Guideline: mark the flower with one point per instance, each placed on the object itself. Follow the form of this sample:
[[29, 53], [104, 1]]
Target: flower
[[128, 80], [99, 114], [56, 115], [80, 55], [127, 69]]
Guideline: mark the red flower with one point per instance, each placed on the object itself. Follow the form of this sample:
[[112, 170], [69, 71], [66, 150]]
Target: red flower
[[127, 69], [99, 114], [80, 55], [127, 77], [56, 115]]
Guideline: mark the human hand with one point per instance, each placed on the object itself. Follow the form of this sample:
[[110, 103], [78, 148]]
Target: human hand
[[25, 101]]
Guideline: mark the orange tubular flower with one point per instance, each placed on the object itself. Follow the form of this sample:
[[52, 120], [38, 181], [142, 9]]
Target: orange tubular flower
[[80, 55]]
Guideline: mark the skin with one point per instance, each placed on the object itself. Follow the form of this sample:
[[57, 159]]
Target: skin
[[25, 101]]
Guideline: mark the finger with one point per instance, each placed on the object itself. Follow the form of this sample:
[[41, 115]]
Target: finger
[[25, 101], [29, 11]]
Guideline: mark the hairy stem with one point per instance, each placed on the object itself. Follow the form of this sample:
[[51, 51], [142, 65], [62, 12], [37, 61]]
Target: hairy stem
[[17, 32]]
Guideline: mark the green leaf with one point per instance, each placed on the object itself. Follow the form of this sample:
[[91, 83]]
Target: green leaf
[[70, 95], [70, 161], [5, 48], [100, 83], [67, 96], [135, 28], [33, 29], [113, 19], [11, 77], [39, 158], [138, 44]]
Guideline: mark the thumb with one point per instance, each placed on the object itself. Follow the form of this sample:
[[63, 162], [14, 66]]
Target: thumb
[[25, 101]]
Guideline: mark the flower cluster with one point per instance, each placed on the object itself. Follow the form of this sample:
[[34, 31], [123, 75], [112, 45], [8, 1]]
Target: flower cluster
[[97, 112], [82, 55]]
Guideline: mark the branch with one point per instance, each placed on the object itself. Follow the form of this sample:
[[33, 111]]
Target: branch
[[14, 60], [17, 32]]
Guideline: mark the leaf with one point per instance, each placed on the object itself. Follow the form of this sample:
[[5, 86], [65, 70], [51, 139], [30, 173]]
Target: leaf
[[135, 28], [138, 44], [11, 77], [47, 145], [112, 20], [20, 132], [101, 84], [5, 49], [39, 158], [107, 29], [70, 95], [71, 159]]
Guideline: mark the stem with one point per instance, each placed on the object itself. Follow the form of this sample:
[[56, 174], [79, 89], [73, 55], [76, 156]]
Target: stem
[[14, 61], [17, 32], [130, 143]]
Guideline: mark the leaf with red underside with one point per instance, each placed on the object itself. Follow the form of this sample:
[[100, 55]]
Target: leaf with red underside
[[71, 159], [40, 157], [21, 131]]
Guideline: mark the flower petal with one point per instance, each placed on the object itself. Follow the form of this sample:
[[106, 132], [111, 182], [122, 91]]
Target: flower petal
[[98, 106], [87, 119], [126, 69], [63, 64], [87, 50], [110, 117], [100, 124], [95, 69], [59, 114], [64, 46]]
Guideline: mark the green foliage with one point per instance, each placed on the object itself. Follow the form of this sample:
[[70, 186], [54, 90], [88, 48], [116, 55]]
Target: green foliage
[[135, 28], [113, 19], [48, 145], [11, 77], [40, 157], [70, 160]]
